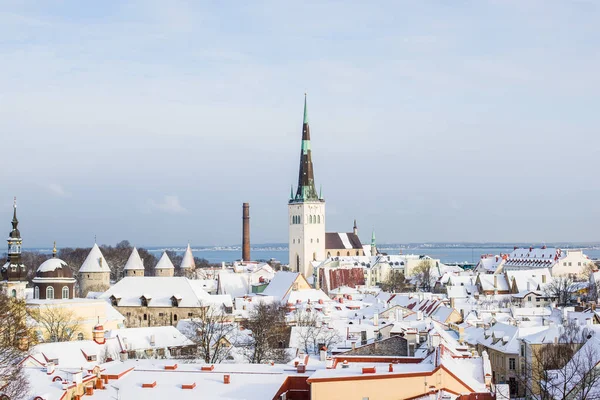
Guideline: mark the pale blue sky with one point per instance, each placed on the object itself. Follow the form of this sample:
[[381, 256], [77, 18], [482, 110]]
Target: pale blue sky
[[431, 120]]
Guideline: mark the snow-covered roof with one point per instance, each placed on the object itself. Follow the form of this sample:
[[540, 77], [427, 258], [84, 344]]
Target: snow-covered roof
[[149, 337], [158, 291], [280, 284], [95, 261], [164, 262], [52, 264], [134, 262], [188, 259]]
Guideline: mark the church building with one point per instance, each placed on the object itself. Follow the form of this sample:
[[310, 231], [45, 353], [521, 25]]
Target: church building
[[308, 241]]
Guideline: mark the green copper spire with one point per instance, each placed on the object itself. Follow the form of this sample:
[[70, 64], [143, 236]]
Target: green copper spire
[[305, 111], [306, 190], [373, 238]]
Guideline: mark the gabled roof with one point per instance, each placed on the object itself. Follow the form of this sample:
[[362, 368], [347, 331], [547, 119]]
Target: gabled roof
[[95, 261], [134, 262], [281, 284], [341, 240], [188, 259], [164, 262]]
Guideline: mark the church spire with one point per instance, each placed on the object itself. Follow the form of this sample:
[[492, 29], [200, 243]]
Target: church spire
[[15, 222], [306, 180]]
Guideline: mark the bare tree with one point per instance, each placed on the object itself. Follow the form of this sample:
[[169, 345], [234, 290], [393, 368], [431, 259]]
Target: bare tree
[[270, 334], [211, 331], [312, 333], [395, 283], [560, 289], [554, 370], [58, 323], [424, 274], [15, 338]]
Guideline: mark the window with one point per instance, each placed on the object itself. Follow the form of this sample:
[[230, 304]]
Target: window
[[511, 364], [338, 253], [522, 350], [528, 298], [91, 358], [128, 314], [579, 264], [174, 317], [65, 292], [144, 301], [564, 263], [174, 302], [13, 293], [569, 263], [190, 315], [36, 292], [318, 219], [537, 299], [348, 253], [50, 292], [317, 240], [161, 314], [311, 240], [80, 336], [145, 317]]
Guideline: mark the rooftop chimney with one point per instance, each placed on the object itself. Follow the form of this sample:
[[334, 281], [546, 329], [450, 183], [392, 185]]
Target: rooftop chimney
[[246, 232]]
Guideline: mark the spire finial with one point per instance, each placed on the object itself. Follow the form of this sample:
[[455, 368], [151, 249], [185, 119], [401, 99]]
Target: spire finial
[[291, 192], [15, 202], [54, 250], [305, 110]]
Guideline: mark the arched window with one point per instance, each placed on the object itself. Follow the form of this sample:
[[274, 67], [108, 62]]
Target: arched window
[[348, 253], [65, 292], [317, 240], [80, 336], [338, 253], [36, 292], [13, 293], [328, 253], [174, 317], [50, 292], [145, 317], [357, 253]]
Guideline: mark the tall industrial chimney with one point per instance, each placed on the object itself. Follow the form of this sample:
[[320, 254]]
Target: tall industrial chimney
[[246, 233]]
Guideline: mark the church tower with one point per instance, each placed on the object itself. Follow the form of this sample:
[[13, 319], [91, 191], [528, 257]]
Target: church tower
[[306, 212], [13, 272]]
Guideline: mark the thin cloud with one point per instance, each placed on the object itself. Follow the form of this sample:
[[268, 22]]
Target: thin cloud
[[56, 189], [168, 204]]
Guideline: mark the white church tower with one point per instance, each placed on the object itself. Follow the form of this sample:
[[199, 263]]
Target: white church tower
[[306, 213]]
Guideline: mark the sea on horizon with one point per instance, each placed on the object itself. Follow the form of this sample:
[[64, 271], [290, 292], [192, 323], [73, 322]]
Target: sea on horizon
[[444, 254]]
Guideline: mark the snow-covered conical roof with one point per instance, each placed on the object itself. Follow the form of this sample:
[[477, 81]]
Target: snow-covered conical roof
[[95, 261], [188, 259], [134, 261], [164, 262]]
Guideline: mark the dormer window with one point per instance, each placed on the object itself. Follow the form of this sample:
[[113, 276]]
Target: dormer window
[[174, 301], [114, 301], [144, 301]]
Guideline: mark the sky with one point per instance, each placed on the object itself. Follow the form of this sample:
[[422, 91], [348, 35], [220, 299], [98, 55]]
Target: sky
[[154, 121]]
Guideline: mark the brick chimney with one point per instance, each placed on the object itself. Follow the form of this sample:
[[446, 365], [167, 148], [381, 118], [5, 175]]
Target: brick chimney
[[246, 232], [98, 334]]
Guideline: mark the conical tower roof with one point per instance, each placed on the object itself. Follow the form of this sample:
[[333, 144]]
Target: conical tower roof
[[95, 261], [165, 262], [188, 259], [134, 261]]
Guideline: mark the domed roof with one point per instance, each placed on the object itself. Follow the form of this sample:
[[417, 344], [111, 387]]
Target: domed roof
[[54, 268]]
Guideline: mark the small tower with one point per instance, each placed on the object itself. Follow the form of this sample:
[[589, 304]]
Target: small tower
[[94, 274], [306, 212], [187, 262], [134, 265], [164, 267], [373, 244]]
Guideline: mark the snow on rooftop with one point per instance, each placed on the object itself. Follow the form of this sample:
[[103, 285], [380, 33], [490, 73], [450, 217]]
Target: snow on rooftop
[[52, 264], [280, 284], [95, 261], [188, 259], [164, 262], [134, 262]]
